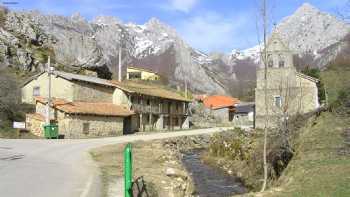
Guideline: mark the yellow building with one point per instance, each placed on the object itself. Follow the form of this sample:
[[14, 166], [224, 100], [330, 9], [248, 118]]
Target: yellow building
[[141, 74], [86, 106]]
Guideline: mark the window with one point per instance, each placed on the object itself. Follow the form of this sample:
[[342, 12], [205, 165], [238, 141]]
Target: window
[[36, 91], [281, 61], [147, 119], [134, 75], [178, 106], [148, 102], [278, 101], [270, 61], [281, 64], [86, 128]]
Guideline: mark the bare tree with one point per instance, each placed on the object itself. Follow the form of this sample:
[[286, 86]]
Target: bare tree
[[263, 14], [282, 109], [263, 53]]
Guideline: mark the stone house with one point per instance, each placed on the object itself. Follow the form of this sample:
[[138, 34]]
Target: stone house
[[221, 107], [68, 86], [137, 107], [141, 74], [288, 92], [79, 119], [244, 115], [158, 108]]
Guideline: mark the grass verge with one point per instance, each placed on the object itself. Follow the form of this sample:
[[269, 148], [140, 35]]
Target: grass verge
[[319, 168]]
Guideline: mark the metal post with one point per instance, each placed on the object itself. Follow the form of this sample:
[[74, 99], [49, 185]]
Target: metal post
[[128, 171], [120, 64], [186, 91]]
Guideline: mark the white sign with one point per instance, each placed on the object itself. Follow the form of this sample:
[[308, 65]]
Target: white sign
[[19, 125]]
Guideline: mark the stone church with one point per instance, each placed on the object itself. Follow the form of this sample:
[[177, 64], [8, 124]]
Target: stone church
[[288, 92]]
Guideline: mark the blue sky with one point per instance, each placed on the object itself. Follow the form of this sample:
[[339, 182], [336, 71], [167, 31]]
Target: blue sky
[[208, 25]]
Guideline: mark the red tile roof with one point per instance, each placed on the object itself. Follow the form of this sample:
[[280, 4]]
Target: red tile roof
[[218, 101], [86, 108]]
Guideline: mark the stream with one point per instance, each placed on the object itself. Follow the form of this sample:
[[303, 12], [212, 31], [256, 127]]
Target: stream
[[210, 181]]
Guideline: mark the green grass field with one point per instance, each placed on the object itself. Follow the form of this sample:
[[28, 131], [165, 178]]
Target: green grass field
[[320, 167]]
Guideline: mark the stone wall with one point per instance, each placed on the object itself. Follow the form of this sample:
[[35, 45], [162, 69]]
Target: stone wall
[[243, 120], [72, 126], [35, 125], [298, 95], [89, 92], [221, 114]]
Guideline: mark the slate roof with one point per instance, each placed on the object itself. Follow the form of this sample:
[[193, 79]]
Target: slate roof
[[244, 108], [73, 77], [128, 86], [87, 108], [84, 78], [307, 77], [31, 78]]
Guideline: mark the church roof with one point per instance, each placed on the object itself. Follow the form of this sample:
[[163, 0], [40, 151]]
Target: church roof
[[307, 77]]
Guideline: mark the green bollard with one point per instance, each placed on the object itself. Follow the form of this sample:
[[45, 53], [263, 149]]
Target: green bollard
[[128, 171]]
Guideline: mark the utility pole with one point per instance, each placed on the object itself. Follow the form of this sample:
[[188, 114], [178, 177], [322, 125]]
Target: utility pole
[[264, 13], [186, 91], [120, 56], [120, 62], [48, 105]]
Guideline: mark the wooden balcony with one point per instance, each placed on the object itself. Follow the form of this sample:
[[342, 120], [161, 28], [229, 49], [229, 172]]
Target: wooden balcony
[[145, 108], [157, 109]]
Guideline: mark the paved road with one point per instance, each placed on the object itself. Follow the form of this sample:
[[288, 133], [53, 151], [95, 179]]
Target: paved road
[[60, 168]]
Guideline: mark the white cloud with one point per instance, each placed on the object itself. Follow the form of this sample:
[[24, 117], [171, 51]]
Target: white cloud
[[213, 32], [182, 5]]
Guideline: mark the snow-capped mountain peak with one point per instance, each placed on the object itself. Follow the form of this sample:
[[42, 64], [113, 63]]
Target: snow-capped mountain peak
[[307, 32], [106, 20]]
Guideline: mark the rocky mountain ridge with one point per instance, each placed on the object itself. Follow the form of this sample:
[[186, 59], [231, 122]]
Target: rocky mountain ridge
[[27, 38]]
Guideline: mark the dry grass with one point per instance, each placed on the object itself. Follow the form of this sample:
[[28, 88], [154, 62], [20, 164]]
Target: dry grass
[[150, 159]]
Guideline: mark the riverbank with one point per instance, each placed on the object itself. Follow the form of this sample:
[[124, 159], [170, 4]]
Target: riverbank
[[210, 180], [161, 164], [321, 165], [319, 143], [158, 162]]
